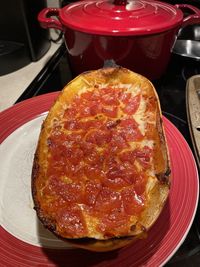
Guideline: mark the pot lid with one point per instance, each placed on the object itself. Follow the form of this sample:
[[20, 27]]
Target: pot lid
[[120, 17]]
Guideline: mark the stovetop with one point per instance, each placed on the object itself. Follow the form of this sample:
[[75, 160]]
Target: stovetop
[[171, 90]]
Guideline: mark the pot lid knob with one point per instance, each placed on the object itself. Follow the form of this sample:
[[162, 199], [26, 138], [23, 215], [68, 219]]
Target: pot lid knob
[[120, 2]]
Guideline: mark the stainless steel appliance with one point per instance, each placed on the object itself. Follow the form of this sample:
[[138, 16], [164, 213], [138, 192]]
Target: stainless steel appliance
[[21, 38]]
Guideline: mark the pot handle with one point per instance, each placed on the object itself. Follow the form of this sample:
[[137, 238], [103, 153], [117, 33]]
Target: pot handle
[[45, 20], [190, 19]]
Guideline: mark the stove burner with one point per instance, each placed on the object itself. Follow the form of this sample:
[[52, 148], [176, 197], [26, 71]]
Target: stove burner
[[188, 72]]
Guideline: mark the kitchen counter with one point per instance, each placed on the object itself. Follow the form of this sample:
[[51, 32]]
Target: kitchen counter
[[12, 85]]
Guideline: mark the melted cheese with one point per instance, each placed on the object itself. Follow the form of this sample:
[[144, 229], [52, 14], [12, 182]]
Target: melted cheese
[[140, 117]]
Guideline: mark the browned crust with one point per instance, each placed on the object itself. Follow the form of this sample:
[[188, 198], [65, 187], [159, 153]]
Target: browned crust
[[158, 194]]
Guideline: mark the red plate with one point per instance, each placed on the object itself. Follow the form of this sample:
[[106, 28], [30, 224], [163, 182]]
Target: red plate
[[163, 239]]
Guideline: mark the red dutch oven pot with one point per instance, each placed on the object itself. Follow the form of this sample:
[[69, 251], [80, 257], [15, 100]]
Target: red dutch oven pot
[[136, 34]]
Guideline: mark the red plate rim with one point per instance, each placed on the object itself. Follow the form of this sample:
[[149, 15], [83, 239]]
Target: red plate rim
[[163, 240]]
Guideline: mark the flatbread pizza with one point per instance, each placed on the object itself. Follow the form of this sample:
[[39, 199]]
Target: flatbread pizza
[[101, 171]]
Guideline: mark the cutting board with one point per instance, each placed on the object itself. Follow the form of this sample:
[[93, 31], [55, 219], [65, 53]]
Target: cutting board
[[193, 112]]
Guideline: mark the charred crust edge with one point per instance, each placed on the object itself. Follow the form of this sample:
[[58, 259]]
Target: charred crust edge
[[35, 171], [163, 178]]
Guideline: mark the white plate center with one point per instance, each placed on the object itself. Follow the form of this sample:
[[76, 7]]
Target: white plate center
[[17, 215]]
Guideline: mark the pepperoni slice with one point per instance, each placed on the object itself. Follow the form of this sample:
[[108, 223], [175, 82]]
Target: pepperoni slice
[[145, 153], [110, 160], [124, 97], [84, 111], [77, 101], [128, 123], [92, 189], [56, 204], [99, 138], [57, 160], [132, 134], [56, 167], [119, 176], [96, 95], [74, 138], [114, 92], [91, 124], [70, 222], [132, 105], [72, 125], [93, 158], [67, 152], [143, 156], [74, 171], [94, 171], [114, 223], [115, 174], [110, 124], [71, 112], [95, 108], [87, 147], [55, 140], [87, 95], [127, 156], [140, 184], [118, 141], [115, 182], [107, 200], [130, 130], [110, 111], [75, 155], [70, 192], [133, 203], [109, 99]]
